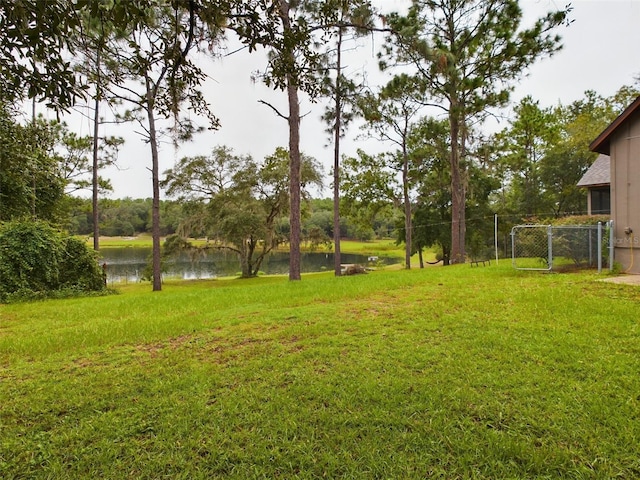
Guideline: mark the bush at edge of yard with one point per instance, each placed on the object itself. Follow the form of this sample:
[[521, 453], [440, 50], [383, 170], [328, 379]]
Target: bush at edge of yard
[[36, 261]]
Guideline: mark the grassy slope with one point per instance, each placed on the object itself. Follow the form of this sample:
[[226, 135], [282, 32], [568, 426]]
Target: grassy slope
[[445, 372]]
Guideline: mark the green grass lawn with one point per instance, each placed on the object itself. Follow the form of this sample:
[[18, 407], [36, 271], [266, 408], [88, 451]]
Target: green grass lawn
[[438, 373], [143, 240], [380, 248]]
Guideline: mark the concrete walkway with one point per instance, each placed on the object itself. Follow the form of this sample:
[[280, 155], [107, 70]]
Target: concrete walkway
[[624, 279]]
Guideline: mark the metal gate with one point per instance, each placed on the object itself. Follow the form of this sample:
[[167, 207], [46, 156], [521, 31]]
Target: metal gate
[[545, 247]]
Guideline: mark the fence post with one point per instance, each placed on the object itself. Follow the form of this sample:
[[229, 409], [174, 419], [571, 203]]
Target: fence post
[[611, 245], [590, 247], [550, 246], [599, 247], [513, 247]]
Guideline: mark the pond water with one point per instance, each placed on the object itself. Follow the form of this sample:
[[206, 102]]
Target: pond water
[[127, 264]]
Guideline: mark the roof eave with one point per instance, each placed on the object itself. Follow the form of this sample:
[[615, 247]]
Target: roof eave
[[602, 144], [594, 185]]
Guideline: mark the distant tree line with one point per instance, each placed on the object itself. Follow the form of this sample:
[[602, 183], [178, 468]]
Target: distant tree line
[[130, 217]]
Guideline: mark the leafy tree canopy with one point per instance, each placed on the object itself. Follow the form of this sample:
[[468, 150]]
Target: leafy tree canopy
[[237, 201], [467, 53], [30, 181], [37, 43]]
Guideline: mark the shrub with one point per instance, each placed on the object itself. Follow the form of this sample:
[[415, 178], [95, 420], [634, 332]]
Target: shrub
[[79, 268], [36, 259], [579, 220]]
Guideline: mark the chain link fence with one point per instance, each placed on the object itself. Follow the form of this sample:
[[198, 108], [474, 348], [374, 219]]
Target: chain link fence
[[547, 247], [577, 242]]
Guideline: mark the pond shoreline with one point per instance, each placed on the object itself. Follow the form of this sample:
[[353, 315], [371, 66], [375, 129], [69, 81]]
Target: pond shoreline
[[128, 264]]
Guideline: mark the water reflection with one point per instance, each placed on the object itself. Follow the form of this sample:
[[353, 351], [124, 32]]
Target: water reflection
[[128, 264]]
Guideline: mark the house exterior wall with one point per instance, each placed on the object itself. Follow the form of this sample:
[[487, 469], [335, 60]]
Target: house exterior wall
[[625, 192]]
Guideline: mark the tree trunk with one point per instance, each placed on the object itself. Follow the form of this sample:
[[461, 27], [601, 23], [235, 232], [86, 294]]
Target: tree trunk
[[336, 163], [294, 156], [34, 167], [462, 168], [155, 205], [245, 264], [457, 192], [294, 183], [446, 255], [407, 208], [94, 173]]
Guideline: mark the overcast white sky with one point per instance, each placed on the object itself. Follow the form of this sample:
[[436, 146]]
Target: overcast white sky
[[601, 52]]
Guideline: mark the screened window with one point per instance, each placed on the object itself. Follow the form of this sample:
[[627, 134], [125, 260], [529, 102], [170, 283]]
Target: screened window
[[600, 200]]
